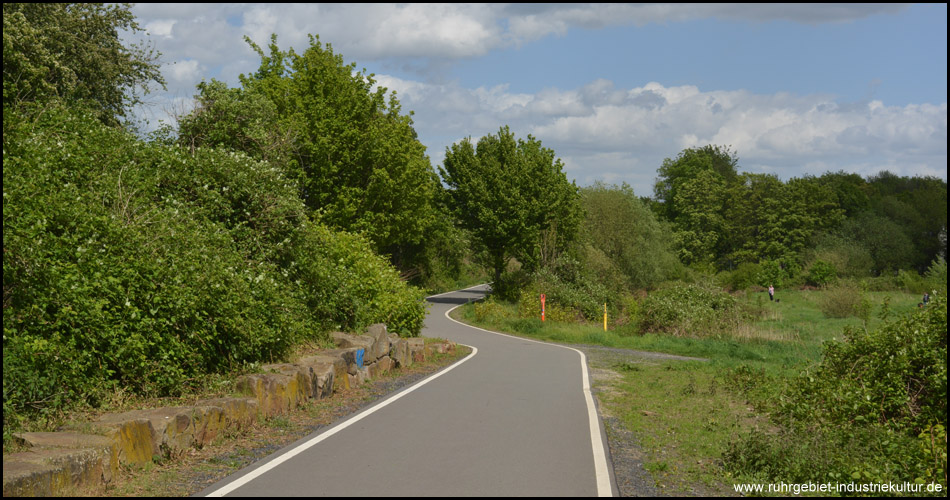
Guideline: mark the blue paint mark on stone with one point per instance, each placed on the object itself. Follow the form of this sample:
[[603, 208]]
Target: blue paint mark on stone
[[359, 357]]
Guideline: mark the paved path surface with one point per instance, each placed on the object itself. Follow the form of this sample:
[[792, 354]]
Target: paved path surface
[[515, 418]]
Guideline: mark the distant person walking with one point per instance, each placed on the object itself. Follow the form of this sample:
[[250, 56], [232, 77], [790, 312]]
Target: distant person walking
[[771, 293], [926, 298]]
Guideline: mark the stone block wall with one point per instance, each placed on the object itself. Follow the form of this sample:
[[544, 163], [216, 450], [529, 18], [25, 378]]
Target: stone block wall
[[57, 462]]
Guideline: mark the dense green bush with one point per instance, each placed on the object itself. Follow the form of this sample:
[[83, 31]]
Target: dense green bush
[[567, 285], [841, 300], [825, 455], [936, 277], [109, 278], [778, 272], [75, 52], [874, 410], [448, 259], [529, 306], [627, 246], [850, 259], [745, 275], [821, 273], [895, 376], [689, 310], [145, 266], [346, 286]]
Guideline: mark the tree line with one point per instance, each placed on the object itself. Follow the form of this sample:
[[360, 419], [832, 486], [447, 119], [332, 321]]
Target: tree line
[[722, 218]]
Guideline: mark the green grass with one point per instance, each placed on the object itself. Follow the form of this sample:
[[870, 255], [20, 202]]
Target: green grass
[[683, 418], [685, 414], [787, 332]]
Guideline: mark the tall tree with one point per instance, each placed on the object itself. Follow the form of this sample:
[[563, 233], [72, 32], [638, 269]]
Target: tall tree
[[771, 220], [754, 213], [355, 156], [73, 51], [850, 189], [887, 241], [623, 229], [690, 193], [513, 196], [699, 224], [686, 166], [919, 206]]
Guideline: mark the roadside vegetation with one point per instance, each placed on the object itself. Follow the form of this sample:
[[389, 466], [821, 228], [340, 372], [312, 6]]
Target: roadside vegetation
[[149, 265], [762, 408], [301, 202]]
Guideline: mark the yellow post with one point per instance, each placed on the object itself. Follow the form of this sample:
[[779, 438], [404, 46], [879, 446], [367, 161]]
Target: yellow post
[[605, 316]]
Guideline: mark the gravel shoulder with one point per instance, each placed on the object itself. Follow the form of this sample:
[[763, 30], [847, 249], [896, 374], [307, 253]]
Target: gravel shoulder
[[626, 454]]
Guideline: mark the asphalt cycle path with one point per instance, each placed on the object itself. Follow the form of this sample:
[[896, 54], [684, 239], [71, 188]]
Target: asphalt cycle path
[[514, 418]]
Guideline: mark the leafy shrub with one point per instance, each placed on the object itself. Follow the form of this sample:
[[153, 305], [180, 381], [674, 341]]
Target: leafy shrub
[[529, 306], [840, 301], [146, 266], [488, 309], [111, 278], [874, 409], [885, 282], [602, 269], [745, 275], [821, 273], [895, 376], [779, 273], [689, 310], [936, 277], [446, 260], [566, 285], [849, 257], [346, 286], [629, 311], [909, 281], [824, 455], [510, 285], [626, 242]]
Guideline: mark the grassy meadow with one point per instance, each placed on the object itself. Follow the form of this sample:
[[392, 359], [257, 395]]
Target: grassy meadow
[[688, 415]]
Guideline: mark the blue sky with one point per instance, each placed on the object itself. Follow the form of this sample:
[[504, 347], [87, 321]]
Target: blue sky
[[902, 52], [613, 89]]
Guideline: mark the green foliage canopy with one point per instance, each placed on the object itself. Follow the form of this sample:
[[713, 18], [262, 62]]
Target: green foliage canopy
[[771, 220], [355, 157], [513, 196], [146, 266], [72, 51], [686, 166], [691, 192], [635, 244]]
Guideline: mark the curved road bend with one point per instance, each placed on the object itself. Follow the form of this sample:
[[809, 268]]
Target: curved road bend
[[514, 418]]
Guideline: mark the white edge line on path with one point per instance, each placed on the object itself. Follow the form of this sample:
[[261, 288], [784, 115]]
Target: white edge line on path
[[604, 488], [224, 490], [460, 290]]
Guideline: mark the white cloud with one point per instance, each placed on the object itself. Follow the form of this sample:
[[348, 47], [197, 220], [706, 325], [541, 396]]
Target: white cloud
[[161, 27], [429, 30], [537, 21], [187, 71], [599, 130], [447, 31], [602, 137], [259, 23]]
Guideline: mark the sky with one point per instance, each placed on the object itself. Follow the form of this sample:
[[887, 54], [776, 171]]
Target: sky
[[613, 89]]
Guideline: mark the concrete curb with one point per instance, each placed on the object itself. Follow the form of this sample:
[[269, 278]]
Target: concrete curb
[[60, 463]]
